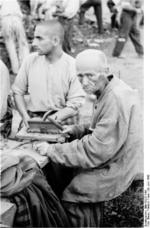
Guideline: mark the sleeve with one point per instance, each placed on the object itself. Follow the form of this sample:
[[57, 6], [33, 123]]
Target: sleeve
[[71, 8], [95, 149], [76, 95], [21, 82]]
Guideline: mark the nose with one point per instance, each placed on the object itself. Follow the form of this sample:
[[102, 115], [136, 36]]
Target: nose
[[34, 43], [85, 81]]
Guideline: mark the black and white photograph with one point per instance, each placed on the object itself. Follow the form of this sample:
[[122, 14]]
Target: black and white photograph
[[74, 93]]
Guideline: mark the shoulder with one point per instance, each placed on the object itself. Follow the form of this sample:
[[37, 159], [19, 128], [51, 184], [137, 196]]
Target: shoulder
[[68, 59], [30, 59], [125, 96]]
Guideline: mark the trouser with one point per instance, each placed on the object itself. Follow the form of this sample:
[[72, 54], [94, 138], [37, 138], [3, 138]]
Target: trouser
[[114, 23], [97, 5], [84, 214], [128, 27], [15, 40], [68, 27]]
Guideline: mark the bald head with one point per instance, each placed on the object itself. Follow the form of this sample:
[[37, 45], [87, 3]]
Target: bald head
[[52, 27], [91, 60]]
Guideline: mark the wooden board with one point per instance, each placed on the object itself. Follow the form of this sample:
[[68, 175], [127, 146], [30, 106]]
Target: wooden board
[[54, 138]]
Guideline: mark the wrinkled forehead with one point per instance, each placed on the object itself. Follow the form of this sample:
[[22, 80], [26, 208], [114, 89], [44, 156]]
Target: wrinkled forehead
[[89, 67]]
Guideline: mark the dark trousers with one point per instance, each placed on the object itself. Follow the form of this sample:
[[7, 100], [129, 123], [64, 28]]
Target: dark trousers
[[84, 214], [97, 5], [128, 27], [68, 27]]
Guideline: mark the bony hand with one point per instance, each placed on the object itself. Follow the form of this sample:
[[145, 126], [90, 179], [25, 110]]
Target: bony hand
[[41, 147], [68, 129]]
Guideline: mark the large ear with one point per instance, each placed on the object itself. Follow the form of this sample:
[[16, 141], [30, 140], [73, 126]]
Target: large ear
[[56, 40]]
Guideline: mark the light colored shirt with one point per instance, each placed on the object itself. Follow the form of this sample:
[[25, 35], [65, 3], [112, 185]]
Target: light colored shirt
[[50, 86], [4, 88], [105, 161], [71, 8]]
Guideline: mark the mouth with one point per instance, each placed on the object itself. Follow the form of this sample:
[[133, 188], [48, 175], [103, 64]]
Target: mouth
[[87, 90]]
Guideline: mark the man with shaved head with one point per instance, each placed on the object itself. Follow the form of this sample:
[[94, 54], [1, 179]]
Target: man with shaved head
[[49, 76], [104, 154]]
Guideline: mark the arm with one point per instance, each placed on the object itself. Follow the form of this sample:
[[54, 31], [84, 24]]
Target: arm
[[97, 148], [21, 107], [75, 97], [19, 89]]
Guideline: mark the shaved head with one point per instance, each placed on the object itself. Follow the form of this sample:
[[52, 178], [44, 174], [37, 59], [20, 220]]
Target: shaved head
[[91, 60], [53, 27]]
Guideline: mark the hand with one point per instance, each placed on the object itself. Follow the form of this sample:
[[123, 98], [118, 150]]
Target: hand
[[68, 129], [41, 147]]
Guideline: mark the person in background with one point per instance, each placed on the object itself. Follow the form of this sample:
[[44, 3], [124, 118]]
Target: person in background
[[5, 104], [13, 33], [114, 12], [128, 11], [49, 77], [97, 5], [104, 154]]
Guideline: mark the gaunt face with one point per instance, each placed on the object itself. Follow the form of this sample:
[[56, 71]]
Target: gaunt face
[[90, 80], [43, 41]]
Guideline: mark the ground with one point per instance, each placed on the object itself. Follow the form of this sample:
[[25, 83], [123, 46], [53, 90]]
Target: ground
[[126, 211]]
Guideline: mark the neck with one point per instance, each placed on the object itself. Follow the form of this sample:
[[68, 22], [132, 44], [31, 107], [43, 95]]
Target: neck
[[104, 82], [54, 55]]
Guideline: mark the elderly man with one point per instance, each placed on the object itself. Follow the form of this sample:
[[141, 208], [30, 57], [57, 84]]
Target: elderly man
[[104, 155], [49, 76]]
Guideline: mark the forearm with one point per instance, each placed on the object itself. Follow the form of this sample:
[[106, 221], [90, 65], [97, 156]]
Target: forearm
[[21, 106], [64, 114]]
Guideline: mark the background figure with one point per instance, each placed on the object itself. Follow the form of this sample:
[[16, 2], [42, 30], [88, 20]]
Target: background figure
[[113, 11], [97, 5], [13, 33], [128, 14], [5, 109]]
